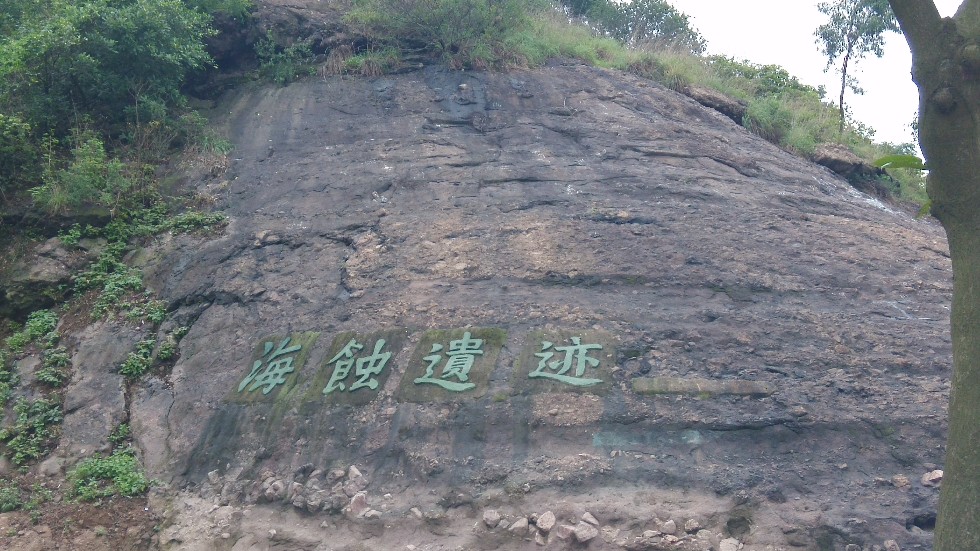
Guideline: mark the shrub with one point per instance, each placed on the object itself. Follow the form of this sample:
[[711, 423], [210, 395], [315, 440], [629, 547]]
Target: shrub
[[462, 33], [31, 433], [54, 367], [90, 179], [116, 285], [92, 57], [769, 119], [40, 328], [10, 499], [119, 435], [372, 62], [98, 477], [139, 361], [18, 154], [282, 64]]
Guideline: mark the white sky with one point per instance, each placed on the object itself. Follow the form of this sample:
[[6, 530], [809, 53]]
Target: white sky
[[781, 32]]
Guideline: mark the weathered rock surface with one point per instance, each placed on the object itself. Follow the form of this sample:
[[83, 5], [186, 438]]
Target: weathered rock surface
[[731, 108], [566, 198], [38, 278], [843, 161]]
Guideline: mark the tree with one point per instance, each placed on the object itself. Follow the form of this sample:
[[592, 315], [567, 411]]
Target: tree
[[659, 23], [100, 58], [639, 22], [946, 69], [856, 28]]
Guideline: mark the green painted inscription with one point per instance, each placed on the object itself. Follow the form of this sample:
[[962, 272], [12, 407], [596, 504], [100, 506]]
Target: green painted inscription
[[355, 368], [451, 365], [365, 369], [562, 360], [459, 360], [275, 366], [558, 370], [271, 369]]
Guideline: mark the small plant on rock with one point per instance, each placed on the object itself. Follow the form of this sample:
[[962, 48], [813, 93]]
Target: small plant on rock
[[10, 499], [98, 477], [139, 362], [32, 432]]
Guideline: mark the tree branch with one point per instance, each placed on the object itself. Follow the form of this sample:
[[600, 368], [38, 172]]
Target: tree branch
[[920, 23]]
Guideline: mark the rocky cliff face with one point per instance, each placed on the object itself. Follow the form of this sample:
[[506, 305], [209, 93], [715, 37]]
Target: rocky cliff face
[[594, 296]]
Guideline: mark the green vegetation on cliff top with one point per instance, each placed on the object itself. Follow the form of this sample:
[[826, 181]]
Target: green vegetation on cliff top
[[92, 92]]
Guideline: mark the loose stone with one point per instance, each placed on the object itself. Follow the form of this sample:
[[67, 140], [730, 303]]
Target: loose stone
[[546, 521], [933, 478], [585, 531], [564, 531], [519, 526], [730, 544], [491, 518]]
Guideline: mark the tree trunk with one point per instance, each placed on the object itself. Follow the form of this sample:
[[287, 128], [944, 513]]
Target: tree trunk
[[843, 86], [946, 68]]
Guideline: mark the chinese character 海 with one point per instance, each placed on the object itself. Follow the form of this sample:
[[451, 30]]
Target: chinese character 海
[[278, 362], [461, 355], [558, 369], [365, 369]]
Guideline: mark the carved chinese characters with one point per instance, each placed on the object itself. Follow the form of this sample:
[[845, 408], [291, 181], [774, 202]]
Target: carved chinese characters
[[451, 365], [446, 365], [356, 367], [275, 365], [565, 361]]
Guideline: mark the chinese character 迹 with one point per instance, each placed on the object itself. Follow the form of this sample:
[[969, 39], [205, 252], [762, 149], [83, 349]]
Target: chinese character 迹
[[558, 369], [365, 369], [278, 362], [461, 355]]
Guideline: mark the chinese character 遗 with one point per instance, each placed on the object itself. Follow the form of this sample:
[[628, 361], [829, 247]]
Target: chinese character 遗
[[461, 355], [558, 369], [278, 361], [365, 369]]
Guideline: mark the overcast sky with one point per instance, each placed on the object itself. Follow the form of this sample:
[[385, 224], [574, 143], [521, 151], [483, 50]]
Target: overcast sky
[[781, 32]]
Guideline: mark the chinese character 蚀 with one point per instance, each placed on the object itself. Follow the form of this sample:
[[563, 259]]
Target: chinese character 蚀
[[558, 369], [278, 362], [365, 369], [461, 355]]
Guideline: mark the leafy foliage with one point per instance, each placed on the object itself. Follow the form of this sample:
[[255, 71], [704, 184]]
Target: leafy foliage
[[18, 154], [759, 80], [39, 328], [54, 367], [8, 379], [769, 119], [463, 33], [640, 23], [90, 179], [10, 497], [139, 361], [855, 28], [119, 435], [282, 64], [901, 161], [31, 434], [98, 477], [108, 59], [238, 9]]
